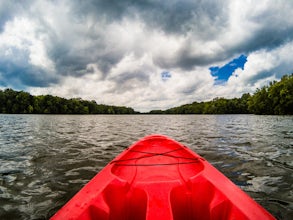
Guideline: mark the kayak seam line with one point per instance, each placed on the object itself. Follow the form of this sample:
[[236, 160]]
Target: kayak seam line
[[155, 164], [194, 160], [146, 156]]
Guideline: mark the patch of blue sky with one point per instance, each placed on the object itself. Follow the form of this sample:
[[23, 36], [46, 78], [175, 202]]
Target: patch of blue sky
[[223, 73], [165, 75]]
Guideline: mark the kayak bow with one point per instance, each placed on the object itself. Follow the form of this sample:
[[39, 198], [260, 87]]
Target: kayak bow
[[159, 178]]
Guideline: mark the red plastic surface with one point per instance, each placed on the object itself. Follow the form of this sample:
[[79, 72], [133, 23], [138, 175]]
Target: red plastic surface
[[159, 178]]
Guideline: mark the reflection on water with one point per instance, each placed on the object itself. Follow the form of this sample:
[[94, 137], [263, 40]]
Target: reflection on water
[[46, 159]]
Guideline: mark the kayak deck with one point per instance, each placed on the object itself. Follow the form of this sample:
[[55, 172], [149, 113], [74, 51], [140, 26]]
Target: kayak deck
[[159, 178]]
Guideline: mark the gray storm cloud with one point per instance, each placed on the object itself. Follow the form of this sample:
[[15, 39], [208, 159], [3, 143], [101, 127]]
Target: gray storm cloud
[[47, 44]]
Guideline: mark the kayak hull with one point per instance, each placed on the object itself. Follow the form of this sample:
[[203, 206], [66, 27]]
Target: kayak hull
[[159, 178]]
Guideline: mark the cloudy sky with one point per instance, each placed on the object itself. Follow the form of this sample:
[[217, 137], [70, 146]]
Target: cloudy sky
[[144, 54]]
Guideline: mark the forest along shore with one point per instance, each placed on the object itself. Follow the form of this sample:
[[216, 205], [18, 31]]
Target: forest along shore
[[274, 99]]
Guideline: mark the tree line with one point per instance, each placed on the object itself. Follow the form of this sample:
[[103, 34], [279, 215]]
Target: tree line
[[216, 106], [20, 102], [274, 99]]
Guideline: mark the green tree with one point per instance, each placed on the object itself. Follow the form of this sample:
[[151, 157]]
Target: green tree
[[277, 98]]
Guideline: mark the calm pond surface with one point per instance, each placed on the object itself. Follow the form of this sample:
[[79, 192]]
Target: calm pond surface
[[46, 159]]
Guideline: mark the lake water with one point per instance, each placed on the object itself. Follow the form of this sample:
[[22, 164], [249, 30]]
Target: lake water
[[46, 159]]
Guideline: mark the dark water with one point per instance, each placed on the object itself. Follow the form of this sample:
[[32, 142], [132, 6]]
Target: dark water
[[45, 159]]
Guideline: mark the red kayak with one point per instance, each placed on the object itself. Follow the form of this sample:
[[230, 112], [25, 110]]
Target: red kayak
[[159, 178]]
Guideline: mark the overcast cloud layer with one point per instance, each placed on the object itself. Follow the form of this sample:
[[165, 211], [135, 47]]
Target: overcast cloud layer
[[144, 54]]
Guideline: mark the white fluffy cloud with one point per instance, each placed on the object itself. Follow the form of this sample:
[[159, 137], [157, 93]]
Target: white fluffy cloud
[[262, 67], [21, 34]]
